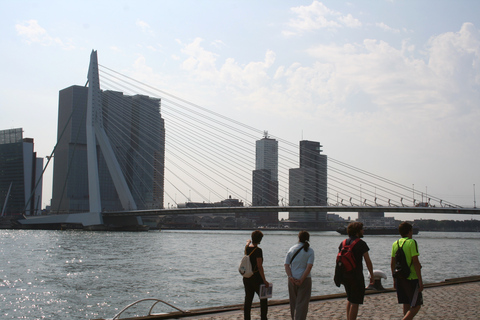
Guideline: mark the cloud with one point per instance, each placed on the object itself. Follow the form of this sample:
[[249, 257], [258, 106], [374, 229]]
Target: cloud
[[145, 27], [199, 61], [317, 16], [386, 28], [350, 21], [370, 89], [375, 93], [455, 56], [369, 79], [203, 65], [33, 33], [218, 43]]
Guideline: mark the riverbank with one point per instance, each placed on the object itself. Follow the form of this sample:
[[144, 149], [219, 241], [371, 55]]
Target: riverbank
[[450, 299]]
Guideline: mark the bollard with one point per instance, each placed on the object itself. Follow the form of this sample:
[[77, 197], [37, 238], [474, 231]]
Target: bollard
[[377, 275]]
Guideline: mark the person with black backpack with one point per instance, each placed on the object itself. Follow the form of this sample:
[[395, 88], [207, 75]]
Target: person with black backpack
[[353, 280], [298, 264], [406, 272]]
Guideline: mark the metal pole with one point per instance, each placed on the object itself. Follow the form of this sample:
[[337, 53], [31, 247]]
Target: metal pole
[[413, 193], [474, 199]]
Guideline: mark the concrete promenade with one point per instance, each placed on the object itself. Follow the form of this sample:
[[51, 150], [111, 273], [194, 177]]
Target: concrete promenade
[[451, 299], [460, 300]]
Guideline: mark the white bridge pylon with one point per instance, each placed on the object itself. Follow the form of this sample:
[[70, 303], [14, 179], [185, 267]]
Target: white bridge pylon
[[95, 132]]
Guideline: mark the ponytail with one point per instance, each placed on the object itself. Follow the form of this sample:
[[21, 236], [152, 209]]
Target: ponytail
[[304, 237], [306, 245]]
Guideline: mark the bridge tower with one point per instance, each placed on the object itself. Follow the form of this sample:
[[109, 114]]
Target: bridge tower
[[95, 132]]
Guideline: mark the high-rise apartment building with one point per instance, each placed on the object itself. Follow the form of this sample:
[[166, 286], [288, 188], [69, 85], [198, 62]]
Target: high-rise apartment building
[[308, 184], [265, 180], [136, 131], [20, 175]]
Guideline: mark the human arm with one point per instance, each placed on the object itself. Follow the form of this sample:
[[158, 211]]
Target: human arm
[[288, 271], [392, 267], [305, 274], [369, 264], [261, 272], [418, 271]]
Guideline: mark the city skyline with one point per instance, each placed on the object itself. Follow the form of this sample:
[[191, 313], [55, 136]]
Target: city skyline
[[390, 87]]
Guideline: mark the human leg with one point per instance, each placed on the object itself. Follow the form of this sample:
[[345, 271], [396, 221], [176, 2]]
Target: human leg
[[292, 295], [355, 290], [406, 308], [263, 309], [352, 310], [408, 295], [303, 299], [249, 294], [411, 313], [263, 302]]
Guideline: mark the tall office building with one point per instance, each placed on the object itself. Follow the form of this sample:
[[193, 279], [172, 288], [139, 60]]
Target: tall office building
[[20, 175], [265, 180], [308, 184], [136, 131]]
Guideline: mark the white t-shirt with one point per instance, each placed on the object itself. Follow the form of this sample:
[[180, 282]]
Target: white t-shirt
[[302, 259]]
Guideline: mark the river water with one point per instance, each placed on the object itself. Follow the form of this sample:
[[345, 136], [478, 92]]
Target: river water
[[87, 275]]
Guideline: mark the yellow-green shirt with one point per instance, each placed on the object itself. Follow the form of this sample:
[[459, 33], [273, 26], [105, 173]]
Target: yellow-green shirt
[[410, 248]]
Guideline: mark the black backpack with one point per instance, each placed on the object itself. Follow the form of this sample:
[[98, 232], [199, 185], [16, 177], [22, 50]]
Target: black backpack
[[402, 269]]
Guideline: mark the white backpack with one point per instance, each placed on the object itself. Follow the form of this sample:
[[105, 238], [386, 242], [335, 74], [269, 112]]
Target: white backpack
[[245, 267]]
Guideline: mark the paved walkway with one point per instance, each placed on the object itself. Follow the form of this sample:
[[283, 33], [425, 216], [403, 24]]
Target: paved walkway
[[458, 301]]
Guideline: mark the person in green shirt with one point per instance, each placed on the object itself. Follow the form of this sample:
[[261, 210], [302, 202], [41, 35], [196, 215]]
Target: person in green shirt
[[409, 290]]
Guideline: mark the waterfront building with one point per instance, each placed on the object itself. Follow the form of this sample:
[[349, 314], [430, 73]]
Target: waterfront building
[[20, 175], [136, 132], [265, 180], [228, 203], [308, 184], [207, 220], [377, 220]]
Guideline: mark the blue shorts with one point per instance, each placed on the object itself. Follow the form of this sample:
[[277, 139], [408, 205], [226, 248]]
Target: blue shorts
[[406, 292]]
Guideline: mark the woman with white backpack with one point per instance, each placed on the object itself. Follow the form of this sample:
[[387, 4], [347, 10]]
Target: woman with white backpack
[[252, 284]]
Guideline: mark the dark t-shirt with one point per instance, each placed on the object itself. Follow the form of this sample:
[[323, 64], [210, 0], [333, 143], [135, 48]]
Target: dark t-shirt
[[358, 251], [253, 257]]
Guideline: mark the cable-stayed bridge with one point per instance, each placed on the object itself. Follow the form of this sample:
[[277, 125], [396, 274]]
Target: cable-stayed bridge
[[208, 158]]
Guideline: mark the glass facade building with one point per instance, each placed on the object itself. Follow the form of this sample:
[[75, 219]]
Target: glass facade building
[[20, 175], [136, 132], [308, 184], [265, 180]]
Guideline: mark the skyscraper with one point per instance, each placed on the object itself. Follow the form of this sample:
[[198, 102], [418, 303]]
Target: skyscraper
[[136, 131], [20, 175], [308, 184], [265, 179]]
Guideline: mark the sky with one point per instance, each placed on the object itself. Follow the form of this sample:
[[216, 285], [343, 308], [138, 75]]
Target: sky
[[391, 87]]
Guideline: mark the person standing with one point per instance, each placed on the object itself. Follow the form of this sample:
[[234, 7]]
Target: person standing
[[355, 283], [298, 264], [253, 283], [409, 289]]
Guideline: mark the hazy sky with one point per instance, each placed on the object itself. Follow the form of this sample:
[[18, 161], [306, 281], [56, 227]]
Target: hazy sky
[[392, 87]]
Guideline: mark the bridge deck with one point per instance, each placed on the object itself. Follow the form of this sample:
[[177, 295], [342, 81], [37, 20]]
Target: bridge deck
[[219, 210]]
